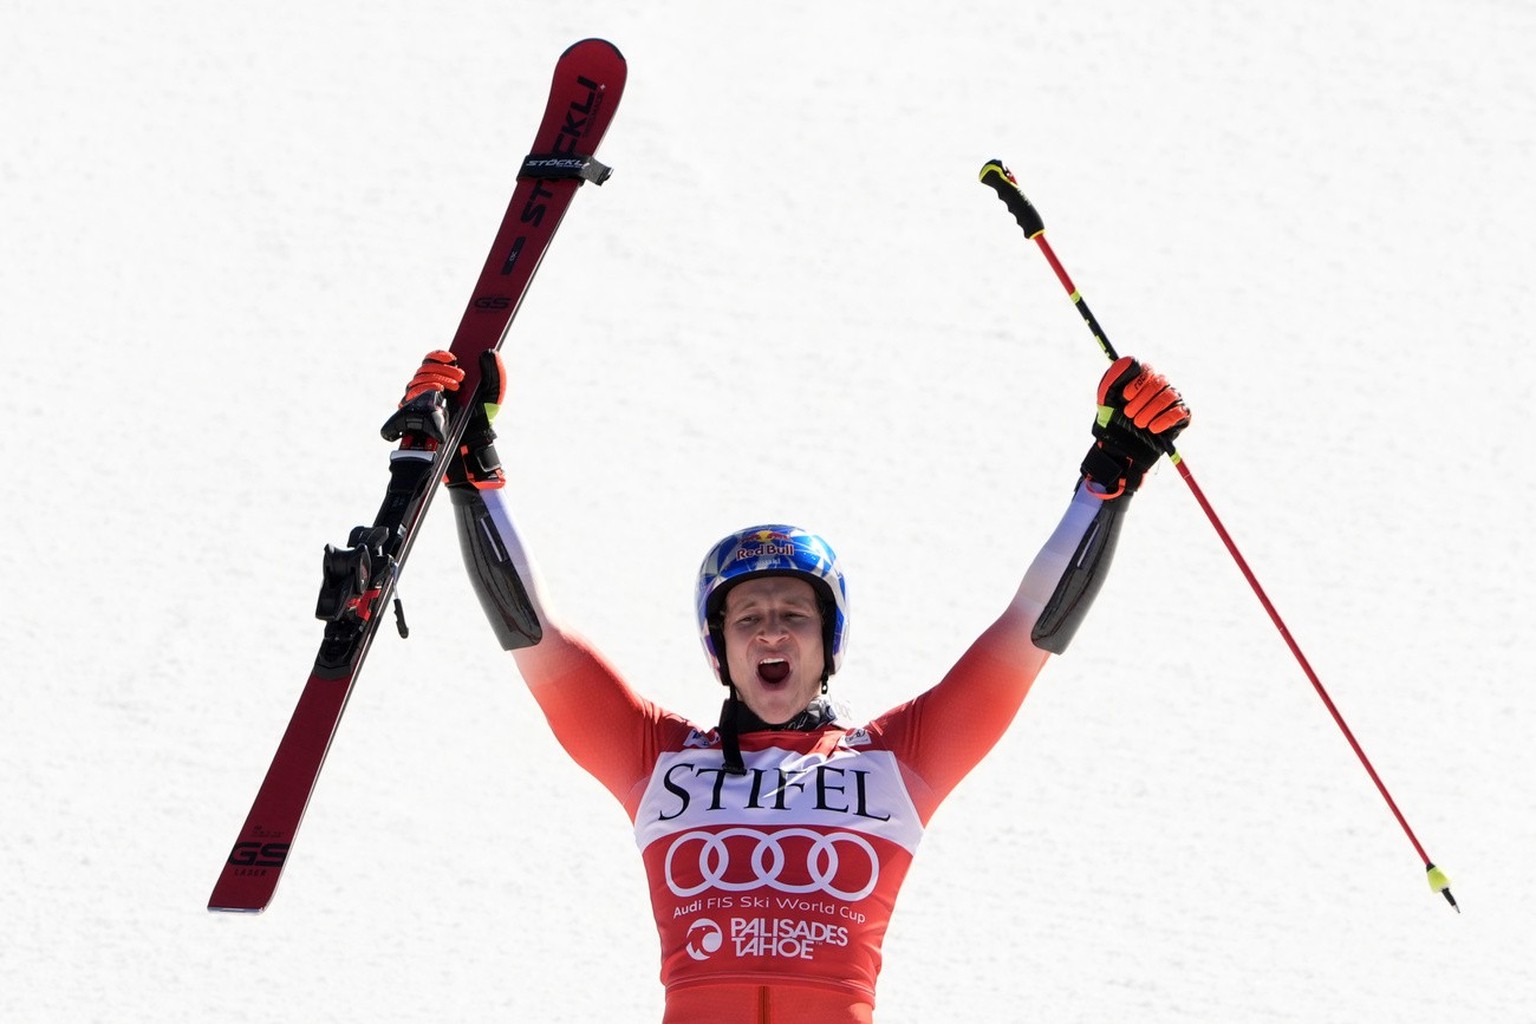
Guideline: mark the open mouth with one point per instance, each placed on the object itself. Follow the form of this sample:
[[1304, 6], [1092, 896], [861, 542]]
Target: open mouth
[[773, 670]]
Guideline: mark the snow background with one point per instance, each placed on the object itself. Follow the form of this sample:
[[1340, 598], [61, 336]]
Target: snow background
[[232, 230]]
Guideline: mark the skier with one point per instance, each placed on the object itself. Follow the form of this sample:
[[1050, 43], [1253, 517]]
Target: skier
[[775, 843]]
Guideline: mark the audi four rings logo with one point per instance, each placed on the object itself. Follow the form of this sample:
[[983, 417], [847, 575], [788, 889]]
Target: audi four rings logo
[[841, 864]]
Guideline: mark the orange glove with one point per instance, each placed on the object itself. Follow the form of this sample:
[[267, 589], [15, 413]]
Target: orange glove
[[1144, 396], [1140, 414], [439, 372]]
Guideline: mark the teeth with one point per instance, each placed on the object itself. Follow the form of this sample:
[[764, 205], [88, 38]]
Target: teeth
[[773, 670]]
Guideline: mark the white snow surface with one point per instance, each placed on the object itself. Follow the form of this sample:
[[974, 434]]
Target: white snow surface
[[231, 231]]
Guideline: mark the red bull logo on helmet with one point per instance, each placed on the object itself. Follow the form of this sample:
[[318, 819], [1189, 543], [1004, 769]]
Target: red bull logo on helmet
[[765, 544]]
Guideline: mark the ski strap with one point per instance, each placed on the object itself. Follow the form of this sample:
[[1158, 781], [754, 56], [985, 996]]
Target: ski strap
[[562, 165]]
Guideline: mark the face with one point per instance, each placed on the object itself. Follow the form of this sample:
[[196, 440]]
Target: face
[[773, 645]]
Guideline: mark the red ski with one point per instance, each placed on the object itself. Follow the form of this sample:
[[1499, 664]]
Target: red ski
[[360, 578]]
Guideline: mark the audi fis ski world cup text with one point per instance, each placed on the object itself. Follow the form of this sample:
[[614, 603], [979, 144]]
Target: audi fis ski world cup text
[[785, 904]]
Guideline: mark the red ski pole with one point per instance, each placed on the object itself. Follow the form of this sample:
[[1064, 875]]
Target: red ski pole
[[999, 178]]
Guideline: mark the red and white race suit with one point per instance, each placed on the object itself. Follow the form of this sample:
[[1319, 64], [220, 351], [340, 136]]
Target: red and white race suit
[[772, 890]]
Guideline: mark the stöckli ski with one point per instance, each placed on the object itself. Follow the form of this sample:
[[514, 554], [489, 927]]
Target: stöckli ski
[[359, 579]]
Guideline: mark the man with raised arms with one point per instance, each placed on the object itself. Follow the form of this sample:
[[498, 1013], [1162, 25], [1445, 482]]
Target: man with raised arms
[[775, 842]]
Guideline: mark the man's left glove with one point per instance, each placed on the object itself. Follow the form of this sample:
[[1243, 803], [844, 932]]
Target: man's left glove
[[478, 465], [1140, 415]]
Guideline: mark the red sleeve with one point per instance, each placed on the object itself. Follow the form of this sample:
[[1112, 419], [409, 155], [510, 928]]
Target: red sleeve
[[611, 731], [942, 734]]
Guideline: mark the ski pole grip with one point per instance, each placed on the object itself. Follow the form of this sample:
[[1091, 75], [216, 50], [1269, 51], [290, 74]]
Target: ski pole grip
[[994, 174]]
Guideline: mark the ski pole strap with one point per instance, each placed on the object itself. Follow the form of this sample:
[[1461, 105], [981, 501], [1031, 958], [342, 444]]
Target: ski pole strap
[[564, 165]]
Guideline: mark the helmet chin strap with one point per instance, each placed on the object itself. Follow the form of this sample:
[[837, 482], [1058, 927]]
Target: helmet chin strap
[[736, 716], [730, 745]]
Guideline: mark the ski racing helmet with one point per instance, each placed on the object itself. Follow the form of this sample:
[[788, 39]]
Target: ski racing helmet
[[772, 550]]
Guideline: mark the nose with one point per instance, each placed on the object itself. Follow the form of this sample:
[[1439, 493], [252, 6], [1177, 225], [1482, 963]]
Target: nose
[[774, 627]]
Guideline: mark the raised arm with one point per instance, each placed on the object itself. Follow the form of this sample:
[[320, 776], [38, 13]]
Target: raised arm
[[951, 727], [604, 725]]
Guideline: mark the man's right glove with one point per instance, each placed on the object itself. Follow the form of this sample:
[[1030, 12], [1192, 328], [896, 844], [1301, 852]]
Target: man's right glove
[[422, 412], [1139, 416]]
